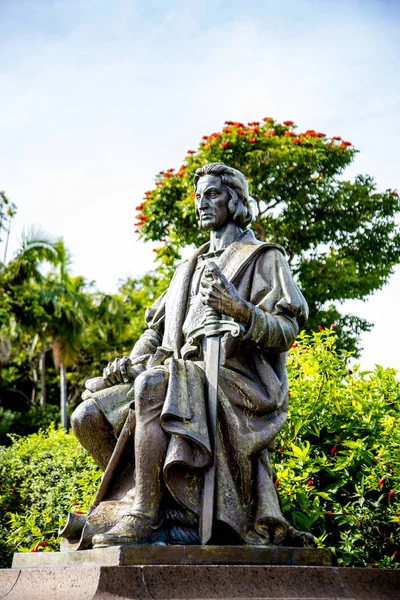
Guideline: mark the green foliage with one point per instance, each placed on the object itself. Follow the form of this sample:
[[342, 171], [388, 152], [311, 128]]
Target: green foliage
[[338, 459], [27, 421], [341, 236], [337, 463], [59, 319], [42, 476]]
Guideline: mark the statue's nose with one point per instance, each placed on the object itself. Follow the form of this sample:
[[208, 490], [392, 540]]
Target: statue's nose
[[202, 202]]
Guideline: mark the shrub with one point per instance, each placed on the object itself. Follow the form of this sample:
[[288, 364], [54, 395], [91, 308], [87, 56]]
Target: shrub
[[26, 422], [338, 460], [337, 463], [42, 477]]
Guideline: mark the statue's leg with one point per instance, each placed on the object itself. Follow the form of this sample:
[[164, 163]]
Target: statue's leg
[[94, 432], [143, 522], [150, 442]]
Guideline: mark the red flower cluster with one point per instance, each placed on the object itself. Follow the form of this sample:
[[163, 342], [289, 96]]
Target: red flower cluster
[[227, 130], [191, 152], [40, 544], [225, 144], [252, 140], [290, 134], [253, 123], [266, 119], [337, 138], [271, 133], [345, 144], [139, 208], [314, 134], [160, 183], [205, 137], [242, 131], [297, 141], [288, 123], [140, 220], [234, 124]]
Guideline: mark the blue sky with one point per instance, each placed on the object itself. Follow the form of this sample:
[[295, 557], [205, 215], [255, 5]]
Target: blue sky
[[97, 96]]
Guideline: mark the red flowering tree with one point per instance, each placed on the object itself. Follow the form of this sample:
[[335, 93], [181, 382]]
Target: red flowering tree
[[341, 237]]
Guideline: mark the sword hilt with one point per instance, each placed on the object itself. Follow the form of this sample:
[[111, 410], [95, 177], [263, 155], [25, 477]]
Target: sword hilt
[[211, 315]]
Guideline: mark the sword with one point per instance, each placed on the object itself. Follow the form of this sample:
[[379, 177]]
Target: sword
[[212, 328]]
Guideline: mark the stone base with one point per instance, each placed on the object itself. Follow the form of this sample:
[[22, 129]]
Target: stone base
[[196, 582], [114, 556]]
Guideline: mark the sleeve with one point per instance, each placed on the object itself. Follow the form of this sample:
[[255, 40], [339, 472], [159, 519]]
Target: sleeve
[[151, 338], [278, 307]]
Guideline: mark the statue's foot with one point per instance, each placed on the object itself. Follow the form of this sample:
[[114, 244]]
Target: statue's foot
[[301, 539], [131, 529]]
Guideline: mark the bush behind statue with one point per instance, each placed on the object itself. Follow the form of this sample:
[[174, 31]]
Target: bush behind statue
[[337, 464]]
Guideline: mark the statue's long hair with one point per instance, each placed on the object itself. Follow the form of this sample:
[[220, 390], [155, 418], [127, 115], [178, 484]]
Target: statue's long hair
[[235, 181]]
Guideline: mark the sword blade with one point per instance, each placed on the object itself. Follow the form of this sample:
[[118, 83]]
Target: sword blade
[[208, 500]]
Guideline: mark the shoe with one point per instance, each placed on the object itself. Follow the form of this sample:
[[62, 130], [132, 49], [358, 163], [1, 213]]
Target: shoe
[[131, 530]]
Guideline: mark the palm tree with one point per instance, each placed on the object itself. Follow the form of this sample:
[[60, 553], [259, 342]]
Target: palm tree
[[19, 282], [67, 306]]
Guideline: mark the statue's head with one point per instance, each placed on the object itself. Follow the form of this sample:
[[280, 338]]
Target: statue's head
[[221, 195]]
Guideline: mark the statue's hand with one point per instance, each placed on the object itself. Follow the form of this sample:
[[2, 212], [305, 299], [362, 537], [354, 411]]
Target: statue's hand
[[221, 295], [118, 371]]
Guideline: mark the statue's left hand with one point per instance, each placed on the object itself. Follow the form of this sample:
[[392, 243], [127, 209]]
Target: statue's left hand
[[118, 371], [221, 295]]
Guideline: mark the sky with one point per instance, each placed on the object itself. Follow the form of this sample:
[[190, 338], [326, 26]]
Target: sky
[[97, 96]]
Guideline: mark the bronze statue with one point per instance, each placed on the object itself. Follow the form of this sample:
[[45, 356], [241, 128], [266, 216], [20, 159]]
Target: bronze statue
[[187, 423]]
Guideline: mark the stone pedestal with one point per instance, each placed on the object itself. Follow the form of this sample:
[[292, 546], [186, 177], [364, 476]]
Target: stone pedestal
[[196, 582], [247, 573], [118, 556]]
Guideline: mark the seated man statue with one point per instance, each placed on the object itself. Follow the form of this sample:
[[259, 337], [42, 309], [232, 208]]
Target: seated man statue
[[164, 382]]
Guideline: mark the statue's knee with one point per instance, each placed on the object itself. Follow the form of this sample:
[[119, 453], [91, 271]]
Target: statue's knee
[[150, 388], [85, 416]]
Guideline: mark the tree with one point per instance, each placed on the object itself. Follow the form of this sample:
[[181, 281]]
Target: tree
[[67, 309], [341, 236], [21, 314], [7, 211]]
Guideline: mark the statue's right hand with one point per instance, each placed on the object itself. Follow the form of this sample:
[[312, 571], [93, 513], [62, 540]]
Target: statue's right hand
[[118, 371]]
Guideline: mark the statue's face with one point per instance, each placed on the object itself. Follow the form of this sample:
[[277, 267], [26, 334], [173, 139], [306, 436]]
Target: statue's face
[[212, 199]]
